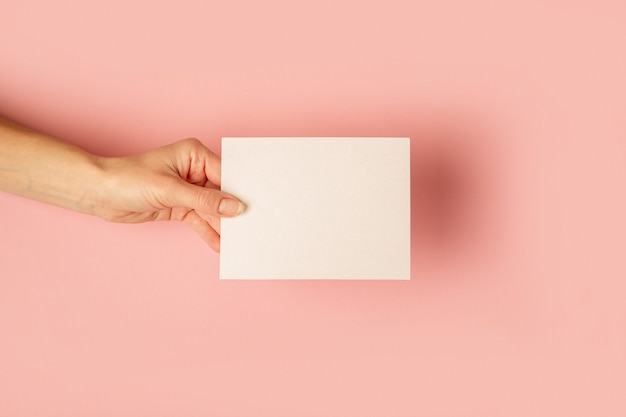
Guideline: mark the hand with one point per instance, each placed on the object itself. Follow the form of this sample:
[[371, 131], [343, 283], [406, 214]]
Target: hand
[[176, 182]]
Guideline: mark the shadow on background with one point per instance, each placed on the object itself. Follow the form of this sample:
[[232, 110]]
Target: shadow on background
[[451, 192], [454, 161]]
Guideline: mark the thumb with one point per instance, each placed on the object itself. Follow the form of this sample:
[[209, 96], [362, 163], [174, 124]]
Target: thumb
[[206, 200]]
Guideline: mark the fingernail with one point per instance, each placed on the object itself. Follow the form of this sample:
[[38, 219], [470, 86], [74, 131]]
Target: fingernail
[[231, 207]]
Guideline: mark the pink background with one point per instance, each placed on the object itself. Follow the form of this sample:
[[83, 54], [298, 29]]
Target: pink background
[[516, 111]]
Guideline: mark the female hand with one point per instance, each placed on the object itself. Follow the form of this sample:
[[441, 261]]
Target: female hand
[[176, 182]]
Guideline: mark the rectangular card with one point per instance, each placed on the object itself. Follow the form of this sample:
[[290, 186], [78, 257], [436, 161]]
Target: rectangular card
[[317, 208]]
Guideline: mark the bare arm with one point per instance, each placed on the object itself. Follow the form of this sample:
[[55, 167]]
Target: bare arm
[[176, 182]]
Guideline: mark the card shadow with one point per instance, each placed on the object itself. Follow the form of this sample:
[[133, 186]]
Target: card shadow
[[454, 159]]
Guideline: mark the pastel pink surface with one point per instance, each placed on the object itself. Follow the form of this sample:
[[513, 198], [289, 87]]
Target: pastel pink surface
[[515, 306]]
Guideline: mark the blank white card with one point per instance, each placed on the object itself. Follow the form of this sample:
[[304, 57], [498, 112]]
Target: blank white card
[[317, 208]]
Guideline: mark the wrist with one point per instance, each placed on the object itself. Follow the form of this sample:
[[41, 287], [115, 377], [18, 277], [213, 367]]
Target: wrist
[[81, 189], [102, 192]]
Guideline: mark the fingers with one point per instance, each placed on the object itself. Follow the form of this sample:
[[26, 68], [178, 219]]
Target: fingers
[[205, 201], [197, 161], [194, 187], [213, 167], [214, 222], [203, 229]]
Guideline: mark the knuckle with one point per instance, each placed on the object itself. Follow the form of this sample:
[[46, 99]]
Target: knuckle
[[192, 143], [208, 201]]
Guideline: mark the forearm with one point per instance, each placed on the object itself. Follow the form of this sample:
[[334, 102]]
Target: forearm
[[43, 168], [179, 181]]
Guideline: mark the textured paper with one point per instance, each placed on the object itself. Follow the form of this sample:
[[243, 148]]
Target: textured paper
[[317, 208]]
